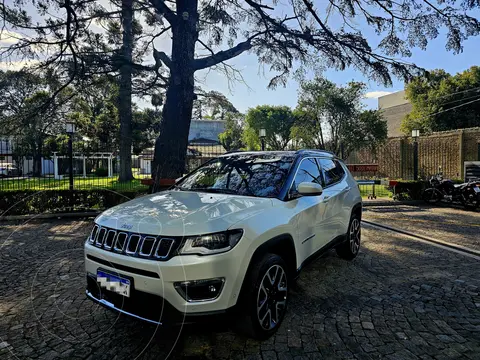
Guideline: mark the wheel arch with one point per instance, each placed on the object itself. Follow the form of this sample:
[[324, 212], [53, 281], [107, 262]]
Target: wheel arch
[[357, 209], [282, 245]]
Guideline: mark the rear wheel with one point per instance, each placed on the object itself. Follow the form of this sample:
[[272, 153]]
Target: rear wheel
[[265, 297], [350, 248], [431, 196]]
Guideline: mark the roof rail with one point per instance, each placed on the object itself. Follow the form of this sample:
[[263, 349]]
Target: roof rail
[[316, 151]]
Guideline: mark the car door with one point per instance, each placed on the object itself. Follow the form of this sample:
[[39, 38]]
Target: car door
[[309, 210], [335, 191]]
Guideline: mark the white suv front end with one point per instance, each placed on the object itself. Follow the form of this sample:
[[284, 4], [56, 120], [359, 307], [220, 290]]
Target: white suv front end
[[231, 235]]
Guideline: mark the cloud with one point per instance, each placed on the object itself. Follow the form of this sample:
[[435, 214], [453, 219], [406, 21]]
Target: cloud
[[376, 94], [17, 65], [9, 37]]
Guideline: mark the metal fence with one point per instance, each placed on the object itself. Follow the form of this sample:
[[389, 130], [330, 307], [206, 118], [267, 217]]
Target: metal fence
[[23, 168]]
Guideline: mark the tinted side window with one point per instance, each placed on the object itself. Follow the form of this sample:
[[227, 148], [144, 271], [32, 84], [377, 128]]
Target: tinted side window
[[307, 172], [332, 171]]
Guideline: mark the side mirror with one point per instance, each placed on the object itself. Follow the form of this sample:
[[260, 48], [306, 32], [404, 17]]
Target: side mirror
[[309, 189]]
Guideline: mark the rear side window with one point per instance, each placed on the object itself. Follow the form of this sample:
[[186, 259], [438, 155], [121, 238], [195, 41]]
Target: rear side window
[[308, 171], [332, 171]]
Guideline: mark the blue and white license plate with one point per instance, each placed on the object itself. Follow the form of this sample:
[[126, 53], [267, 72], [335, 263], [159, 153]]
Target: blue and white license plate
[[113, 283]]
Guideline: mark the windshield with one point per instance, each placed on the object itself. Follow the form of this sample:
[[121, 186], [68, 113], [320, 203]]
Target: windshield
[[245, 174]]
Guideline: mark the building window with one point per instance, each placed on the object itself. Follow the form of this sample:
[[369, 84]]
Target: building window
[[2, 158]]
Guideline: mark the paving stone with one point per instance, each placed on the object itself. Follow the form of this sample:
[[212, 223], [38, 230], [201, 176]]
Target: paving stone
[[399, 299]]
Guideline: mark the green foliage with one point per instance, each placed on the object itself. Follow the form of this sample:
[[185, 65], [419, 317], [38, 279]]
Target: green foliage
[[24, 202], [231, 138], [332, 117], [442, 102], [276, 120], [212, 105]]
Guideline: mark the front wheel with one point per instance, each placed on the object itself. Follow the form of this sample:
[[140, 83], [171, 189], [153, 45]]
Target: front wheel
[[265, 298], [431, 196]]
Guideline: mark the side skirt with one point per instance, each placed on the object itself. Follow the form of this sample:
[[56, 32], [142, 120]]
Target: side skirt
[[319, 253]]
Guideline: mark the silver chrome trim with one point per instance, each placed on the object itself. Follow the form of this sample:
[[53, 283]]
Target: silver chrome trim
[[98, 241], [158, 245], [113, 241], [128, 244], [116, 248], [113, 307], [91, 239], [141, 253]]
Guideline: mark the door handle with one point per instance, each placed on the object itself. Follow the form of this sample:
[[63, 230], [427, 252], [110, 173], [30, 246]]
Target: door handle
[[345, 190]]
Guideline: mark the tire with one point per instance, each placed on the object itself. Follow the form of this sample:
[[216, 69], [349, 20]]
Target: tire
[[349, 249], [260, 296], [471, 206], [431, 196]]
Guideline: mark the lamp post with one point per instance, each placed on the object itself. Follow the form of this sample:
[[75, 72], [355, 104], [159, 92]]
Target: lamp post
[[415, 135], [70, 130], [262, 134]]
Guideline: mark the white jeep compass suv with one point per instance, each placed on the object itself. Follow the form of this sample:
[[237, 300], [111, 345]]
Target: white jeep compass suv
[[231, 235]]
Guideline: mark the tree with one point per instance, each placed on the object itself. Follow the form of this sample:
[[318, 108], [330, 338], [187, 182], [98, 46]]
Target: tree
[[276, 120], [28, 113], [332, 117], [212, 105], [231, 138], [443, 102], [206, 34]]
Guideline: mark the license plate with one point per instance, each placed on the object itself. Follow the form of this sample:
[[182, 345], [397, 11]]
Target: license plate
[[476, 189], [113, 283]]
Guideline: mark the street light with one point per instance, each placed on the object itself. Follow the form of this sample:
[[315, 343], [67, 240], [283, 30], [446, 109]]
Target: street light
[[262, 134], [415, 136], [70, 130]]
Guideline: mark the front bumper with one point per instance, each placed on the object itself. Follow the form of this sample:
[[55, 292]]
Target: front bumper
[[153, 295]]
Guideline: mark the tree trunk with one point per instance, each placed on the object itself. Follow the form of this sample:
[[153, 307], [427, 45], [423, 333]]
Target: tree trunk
[[125, 93], [37, 159], [171, 144]]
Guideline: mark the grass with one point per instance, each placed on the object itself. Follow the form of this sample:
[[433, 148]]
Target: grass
[[381, 191], [80, 183]]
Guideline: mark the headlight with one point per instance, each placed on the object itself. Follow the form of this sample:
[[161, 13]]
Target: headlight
[[211, 243]]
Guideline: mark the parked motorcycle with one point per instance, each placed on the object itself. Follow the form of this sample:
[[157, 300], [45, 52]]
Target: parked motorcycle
[[467, 194]]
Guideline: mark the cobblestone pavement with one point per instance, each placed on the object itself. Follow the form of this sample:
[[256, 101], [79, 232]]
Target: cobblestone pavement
[[454, 225], [399, 299]]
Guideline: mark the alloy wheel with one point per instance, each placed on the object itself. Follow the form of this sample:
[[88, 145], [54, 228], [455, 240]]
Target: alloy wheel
[[354, 236], [272, 297]]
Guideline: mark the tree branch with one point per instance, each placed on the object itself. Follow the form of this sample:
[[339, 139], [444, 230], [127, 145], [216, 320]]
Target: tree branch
[[163, 9], [221, 56], [161, 57]]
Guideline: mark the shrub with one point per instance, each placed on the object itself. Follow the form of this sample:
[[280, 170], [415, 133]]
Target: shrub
[[101, 172], [24, 202], [409, 189]]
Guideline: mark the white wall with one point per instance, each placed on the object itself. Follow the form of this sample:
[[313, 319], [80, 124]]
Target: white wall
[[206, 129]]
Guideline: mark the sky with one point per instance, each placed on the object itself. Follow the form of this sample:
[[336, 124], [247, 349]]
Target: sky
[[255, 91]]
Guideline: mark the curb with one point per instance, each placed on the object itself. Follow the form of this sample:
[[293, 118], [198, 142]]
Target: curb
[[390, 202], [459, 248], [86, 214]]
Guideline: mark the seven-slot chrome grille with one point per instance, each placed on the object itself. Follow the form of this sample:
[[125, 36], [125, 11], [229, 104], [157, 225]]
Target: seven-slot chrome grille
[[133, 244]]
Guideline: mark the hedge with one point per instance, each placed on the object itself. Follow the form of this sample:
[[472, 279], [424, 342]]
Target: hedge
[[23, 202], [409, 189]]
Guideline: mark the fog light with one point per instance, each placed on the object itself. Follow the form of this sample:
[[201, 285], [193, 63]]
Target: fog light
[[200, 290]]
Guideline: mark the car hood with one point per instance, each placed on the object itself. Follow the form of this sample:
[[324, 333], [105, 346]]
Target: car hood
[[178, 213]]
